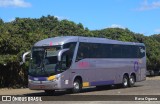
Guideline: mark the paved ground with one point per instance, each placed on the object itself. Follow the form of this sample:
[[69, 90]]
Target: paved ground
[[149, 87]]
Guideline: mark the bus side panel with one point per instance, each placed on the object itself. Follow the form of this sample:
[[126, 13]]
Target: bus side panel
[[65, 81], [104, 75], [112, 70], [83, 68], [108, 71], [142, 68]]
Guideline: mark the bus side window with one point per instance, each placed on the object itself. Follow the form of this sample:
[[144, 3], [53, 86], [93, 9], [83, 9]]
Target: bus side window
[[82, 52], [141, 52]]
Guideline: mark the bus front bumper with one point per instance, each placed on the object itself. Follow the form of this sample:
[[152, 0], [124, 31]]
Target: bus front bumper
[[44, 85]]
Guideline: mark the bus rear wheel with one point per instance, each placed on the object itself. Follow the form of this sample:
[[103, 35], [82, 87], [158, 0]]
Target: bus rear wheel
[[132, 80], [125, 82]]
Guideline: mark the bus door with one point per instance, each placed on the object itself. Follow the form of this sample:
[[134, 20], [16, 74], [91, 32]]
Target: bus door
[[65, 66]]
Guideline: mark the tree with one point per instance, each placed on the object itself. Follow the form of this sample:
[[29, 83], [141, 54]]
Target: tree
[[20, 35]]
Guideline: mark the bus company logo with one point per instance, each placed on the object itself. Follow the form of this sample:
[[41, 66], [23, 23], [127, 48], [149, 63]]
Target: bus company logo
[[6, 98], [136, 66], [83, 64]]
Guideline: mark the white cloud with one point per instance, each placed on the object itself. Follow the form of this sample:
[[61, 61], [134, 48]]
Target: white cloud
[[149, 6], [14, 3], [11, 20], [157, 30], [116, 26], [61, 18]]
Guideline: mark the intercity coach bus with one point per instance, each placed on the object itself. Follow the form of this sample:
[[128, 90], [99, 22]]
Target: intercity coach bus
[[74, 62]]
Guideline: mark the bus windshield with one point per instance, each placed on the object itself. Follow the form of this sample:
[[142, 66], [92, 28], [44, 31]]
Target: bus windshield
[[44, 61]]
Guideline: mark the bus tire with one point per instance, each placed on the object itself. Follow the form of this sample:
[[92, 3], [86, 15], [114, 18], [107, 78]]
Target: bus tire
[[132, 81], [77, 86], [125, 81], [49, 92]]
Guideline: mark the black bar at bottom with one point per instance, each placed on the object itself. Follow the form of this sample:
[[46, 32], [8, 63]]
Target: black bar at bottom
[[102, 98], [82, 98]]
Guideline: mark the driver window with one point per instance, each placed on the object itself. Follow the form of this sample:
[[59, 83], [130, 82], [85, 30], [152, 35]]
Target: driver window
[[66, 60]]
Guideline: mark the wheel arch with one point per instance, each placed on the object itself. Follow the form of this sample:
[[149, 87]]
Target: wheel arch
[[126, 75], [77, 77]]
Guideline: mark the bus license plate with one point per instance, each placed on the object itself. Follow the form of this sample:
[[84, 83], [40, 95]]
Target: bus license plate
[[41, 86]]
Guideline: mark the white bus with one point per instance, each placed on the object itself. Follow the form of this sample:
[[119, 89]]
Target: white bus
[[74, 62]]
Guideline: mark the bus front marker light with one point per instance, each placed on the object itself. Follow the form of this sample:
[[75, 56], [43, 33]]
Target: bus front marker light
[[51, 78]]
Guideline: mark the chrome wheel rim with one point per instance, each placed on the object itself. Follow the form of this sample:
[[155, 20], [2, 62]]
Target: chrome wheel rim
[[125, 82], [76, 85], [132, 80]]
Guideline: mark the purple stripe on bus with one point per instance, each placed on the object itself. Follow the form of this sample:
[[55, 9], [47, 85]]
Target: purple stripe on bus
[[42, 78], [102, 83], [31, 78]]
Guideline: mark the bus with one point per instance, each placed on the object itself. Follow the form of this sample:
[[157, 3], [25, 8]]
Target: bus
[[75, 62]]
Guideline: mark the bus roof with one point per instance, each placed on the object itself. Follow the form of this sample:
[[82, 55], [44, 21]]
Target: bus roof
[[66, 39]]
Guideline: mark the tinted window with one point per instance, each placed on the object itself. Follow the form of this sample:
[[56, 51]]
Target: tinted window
[[83, 51], [71, 47], [97, 50], [126, 51], [116, 51], [141, 51]]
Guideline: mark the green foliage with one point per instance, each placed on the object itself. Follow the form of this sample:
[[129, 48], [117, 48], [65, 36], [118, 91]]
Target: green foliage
[[157, 37], [19, 36]]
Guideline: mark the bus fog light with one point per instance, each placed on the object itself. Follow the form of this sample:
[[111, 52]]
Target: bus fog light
[[29, 80]]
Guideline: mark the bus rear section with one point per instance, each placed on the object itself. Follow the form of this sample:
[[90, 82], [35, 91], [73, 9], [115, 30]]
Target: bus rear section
[[110, 63]]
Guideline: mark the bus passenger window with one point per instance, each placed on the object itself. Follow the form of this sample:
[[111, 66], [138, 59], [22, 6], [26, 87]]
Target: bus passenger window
[[82, 52]]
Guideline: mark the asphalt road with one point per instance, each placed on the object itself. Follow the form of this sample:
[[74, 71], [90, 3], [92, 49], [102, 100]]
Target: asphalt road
[[149, 87]]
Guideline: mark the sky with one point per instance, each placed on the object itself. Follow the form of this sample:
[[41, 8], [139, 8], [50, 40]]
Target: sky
[[139, 16]]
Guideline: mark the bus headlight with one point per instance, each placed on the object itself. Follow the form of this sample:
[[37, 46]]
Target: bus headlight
[[29, 80], [51, 78]]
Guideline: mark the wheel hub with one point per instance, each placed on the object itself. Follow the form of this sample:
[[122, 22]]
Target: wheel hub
[[76, 85], [125, 82]]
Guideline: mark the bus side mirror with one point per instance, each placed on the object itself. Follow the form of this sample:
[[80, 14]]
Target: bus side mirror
[[60, 54], [24, 57]]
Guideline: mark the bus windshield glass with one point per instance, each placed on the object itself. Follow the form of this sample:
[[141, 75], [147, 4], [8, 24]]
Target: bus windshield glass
[[44, 61]]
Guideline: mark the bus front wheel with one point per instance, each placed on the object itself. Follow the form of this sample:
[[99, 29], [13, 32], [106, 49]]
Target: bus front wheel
[[77, 86]]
